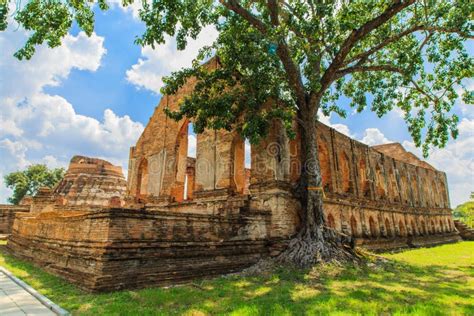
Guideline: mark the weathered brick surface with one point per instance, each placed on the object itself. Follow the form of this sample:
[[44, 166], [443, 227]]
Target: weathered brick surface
[[123, 248], [7, 216]]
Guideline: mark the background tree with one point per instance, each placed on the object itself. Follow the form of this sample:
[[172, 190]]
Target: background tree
[[27, 182], [303, 55]]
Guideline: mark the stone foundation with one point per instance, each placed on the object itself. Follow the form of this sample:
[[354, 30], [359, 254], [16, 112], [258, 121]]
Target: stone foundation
[[123, 248]]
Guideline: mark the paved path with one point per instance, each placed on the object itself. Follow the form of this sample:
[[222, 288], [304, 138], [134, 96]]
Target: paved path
[[15, 300]]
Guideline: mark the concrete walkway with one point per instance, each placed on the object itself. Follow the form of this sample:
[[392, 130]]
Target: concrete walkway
[[15, 300]]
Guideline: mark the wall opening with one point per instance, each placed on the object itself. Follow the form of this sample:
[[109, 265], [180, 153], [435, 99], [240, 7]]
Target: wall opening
[[388, 228], [441, 226], [423, 228], [325, 165], [238, 170], [401, 228], [379, 181], [354, 230], [331, 221], [142, 178], [432, 228], [345, 173], [405, 188], [413, 228], [393, 186], [364, 181], [373, 228]]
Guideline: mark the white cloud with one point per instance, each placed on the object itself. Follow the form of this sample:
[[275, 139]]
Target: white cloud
[[37, 127], [373, 136], [155, 63], [342, 128], [192, 142]]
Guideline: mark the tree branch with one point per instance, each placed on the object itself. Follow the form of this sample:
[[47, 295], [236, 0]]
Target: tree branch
[[343, 72], [430, 29], [383, 44], [291, 69], [351, 40], [234, 6]]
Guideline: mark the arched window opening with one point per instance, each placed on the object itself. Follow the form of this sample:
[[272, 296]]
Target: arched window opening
[[401, 228], [180, 190], [373, 228], [345, 173], [435, 193], [442, 193], [414, 189], [380, 181], [239, 175], [405, 188], [423, 228], [441, 226], [142, 178], [354, 229], [413, 228], [388, 228], [325, 164], [331, 222], [433, 228], [393, 186], [364, 181], [248, 165]]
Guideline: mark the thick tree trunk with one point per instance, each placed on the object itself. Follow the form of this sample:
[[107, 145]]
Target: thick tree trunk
[[314, 242]]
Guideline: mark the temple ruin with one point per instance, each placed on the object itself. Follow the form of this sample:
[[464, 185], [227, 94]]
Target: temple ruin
[[183, 217]]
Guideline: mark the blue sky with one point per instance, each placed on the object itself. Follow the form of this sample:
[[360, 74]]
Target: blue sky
[[93, 96]]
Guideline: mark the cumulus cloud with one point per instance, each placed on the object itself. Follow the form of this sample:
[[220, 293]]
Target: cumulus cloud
[[326, 120], [36, 127], [373, 136], [155, 63]]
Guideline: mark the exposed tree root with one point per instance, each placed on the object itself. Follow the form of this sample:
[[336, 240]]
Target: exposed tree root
[[326, 245]]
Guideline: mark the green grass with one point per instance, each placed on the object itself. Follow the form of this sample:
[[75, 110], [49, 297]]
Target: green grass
[[431, 281]]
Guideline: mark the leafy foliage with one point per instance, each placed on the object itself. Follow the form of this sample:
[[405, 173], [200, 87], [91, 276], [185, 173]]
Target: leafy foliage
[[303, 55], [27, 182]]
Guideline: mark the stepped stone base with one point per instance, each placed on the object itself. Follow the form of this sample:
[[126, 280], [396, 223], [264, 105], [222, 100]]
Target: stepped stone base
[[384, 244], [122, 248]]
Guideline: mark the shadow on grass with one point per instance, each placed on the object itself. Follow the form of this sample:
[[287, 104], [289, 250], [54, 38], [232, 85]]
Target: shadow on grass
[[393, 288]]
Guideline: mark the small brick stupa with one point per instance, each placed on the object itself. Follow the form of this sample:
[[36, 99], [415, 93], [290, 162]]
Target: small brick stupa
[[92, 182]]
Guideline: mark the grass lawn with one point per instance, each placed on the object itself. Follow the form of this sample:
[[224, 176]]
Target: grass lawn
[[431, 281]]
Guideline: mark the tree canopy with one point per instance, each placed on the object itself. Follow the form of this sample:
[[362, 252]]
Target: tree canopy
[[382, 54], [28, 181]]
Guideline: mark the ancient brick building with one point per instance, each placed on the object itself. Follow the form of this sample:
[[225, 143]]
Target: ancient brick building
[[185, 217]]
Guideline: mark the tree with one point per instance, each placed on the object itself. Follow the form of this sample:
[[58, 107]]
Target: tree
[[27, 182], [303, 55]]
